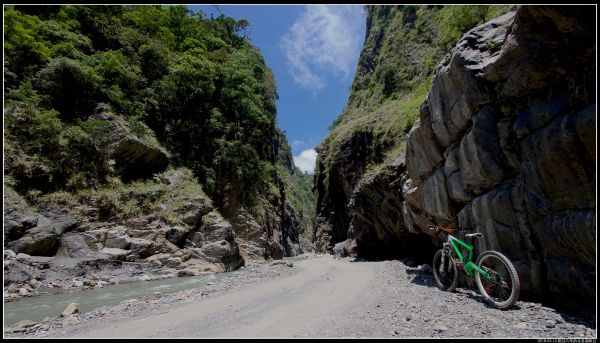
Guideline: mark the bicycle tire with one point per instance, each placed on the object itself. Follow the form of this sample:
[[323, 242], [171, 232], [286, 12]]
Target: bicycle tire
[[491, 285], [445, 282]]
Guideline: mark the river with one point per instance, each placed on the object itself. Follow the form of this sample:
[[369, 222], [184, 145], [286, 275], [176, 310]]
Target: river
[[52, 305]]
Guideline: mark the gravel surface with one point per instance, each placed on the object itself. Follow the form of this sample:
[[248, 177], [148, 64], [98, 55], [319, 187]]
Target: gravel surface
[[320, 296], [417, 308]]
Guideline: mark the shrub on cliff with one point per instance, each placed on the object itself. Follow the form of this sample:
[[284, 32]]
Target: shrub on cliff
[[165, 84], [196, 82]]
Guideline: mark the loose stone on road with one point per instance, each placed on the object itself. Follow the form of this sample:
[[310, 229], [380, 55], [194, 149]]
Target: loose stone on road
[[323, 296]]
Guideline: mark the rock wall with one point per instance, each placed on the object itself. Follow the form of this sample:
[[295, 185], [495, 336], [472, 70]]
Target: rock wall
[[203, 237], [32, 233], [361, 163], [271, 228], [348, 164], [505, 146]]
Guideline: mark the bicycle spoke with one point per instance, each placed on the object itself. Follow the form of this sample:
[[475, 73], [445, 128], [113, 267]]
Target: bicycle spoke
[[499, 282], [495, 286]]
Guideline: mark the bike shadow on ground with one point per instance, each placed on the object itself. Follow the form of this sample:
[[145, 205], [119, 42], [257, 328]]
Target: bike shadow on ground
[[464, 290], [421, 277], [425, 278], [472, 294]]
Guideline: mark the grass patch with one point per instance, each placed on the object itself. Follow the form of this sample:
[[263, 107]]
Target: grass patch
[[119, 202]]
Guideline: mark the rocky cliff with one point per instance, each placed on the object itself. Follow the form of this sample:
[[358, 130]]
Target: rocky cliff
[[140, 136], [355, 204], [503, 144]]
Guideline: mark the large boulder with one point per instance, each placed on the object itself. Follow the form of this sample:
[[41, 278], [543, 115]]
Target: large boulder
[[134, 156], [218, 231], [252, 238], [142, 248], [78, 245], [192, 211], [217, 251], [177, 235], [32, 233], [43, 238], [223, 252], [116, 253], [117, 238], [17, 216], [136, 159]]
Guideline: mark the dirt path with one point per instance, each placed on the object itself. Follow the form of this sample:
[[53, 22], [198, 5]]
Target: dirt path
[[299, 305], [321, 296]]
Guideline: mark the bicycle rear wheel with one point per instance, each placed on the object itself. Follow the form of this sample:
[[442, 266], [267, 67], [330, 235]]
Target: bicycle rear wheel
[[502, 288], [446, 276]]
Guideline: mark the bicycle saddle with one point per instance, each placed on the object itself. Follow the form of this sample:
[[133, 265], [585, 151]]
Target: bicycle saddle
[[474, 235]]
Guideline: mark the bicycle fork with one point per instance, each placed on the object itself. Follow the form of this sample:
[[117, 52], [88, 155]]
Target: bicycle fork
[[445, 248]]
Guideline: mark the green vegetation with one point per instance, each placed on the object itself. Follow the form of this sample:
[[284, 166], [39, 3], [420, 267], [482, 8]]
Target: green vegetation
[[458, 19], [44, 153], [298, 191], [173, 79], [118, 202], [395, 68]]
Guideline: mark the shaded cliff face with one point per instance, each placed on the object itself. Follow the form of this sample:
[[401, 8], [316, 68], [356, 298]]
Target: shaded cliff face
[[505, 146], [279, 223], [360, 166], [367, 136]]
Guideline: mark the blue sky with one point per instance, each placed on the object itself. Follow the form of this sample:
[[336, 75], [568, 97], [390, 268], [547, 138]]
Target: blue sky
[[313, 52]]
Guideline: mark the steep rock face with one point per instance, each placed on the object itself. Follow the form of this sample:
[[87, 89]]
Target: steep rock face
[[377, 229], [505, 146], [335, 193], [272, 228], [272, 236], [360, 164]]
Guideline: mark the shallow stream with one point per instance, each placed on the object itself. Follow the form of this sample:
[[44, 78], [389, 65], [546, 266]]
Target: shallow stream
[[40, 307], [52, 305]]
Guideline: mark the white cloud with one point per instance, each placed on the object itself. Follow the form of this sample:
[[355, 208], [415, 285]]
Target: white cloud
[[297, 143], [306, 161], [323, 40]]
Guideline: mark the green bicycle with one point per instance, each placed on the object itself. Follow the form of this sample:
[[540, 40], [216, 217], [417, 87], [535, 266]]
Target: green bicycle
[[496, 277]]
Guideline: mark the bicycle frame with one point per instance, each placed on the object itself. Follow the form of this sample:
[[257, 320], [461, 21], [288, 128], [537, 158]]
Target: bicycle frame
[[467, 262]]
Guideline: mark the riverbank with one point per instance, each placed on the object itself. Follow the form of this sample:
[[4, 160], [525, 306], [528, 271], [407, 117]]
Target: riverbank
[[155, 302], [320, 296], [31, 276]]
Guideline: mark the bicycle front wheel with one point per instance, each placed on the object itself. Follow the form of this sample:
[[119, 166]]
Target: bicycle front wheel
[[501, 288], [446, 274]]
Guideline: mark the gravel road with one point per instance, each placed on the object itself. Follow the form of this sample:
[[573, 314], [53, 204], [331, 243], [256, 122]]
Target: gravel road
[[320, 296]]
